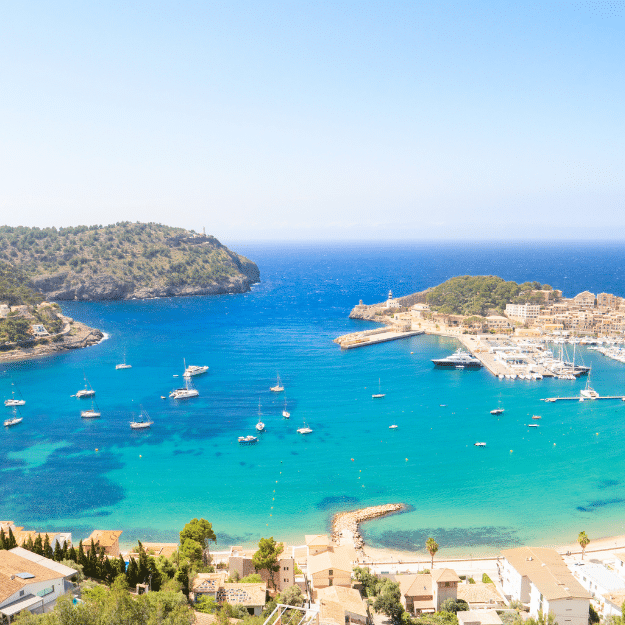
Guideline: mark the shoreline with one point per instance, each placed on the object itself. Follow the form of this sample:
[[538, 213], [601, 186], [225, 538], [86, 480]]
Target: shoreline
[[75, 335]]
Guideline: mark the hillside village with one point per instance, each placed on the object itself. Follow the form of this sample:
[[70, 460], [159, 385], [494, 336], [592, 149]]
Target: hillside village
[[322, 581]]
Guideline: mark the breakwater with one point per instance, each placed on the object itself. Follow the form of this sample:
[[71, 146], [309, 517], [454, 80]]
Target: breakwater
[[345, 525]]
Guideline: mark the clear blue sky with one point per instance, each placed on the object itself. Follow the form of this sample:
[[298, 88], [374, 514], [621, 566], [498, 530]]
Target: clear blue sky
[[313, 120]]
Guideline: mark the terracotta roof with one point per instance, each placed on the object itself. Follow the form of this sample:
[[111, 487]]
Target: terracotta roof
[[243, 594], [208, 582], [161, 549], [444, 575], [18, 560], [546, 569], [416, 585], [348, 598], [106, 538], [340, 558], [317, 540], [616, 597], [620, 555]]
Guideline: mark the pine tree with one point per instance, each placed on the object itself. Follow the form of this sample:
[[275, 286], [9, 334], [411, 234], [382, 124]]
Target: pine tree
[[132, 573], [66, 551], [12, 543], [29, 544], [72, 555], [38, 545], [3, 538], [80, 556], [58, 552], [47, 548]]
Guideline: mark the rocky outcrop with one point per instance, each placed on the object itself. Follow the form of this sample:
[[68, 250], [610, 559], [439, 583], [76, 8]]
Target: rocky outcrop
[[373, 312], [345, 524]]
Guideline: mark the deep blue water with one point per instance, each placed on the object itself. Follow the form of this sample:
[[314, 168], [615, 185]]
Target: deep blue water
[[540, 487]]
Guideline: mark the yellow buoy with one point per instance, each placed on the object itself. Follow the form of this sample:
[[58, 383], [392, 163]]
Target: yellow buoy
[[96, 449], [140, 456], [406, 459]]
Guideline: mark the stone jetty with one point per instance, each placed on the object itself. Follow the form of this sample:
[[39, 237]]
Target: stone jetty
[[345, 528]]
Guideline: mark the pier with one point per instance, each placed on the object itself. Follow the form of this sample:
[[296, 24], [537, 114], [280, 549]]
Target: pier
[[373, 337]]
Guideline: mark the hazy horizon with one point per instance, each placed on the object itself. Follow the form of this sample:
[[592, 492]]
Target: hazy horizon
[[317, 121]]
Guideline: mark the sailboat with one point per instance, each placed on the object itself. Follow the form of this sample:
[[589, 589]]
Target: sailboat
[[379, 394], [588, 392], [193, 369], [14, 420], [186, 392], [13, 401], [304, 430], [143, 423], [278, 388], [123, 365], [260, 426], [285, 413], [93, 413], [87, 391]]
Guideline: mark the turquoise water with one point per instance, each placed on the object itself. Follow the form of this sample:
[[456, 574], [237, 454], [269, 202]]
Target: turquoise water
[[540, 486]]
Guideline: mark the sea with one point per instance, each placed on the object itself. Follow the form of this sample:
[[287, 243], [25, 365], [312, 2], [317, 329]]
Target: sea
[[527, 486]]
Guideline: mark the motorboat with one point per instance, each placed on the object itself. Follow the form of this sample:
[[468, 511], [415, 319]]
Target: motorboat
[[304, 430], [143, 422], [87, 391], [14, 420], [285, 413], [461, 358], [192, 370], [186, 392], [14, 401], [278, 388], [479, 444], [248, 440], [379, 394], [93, 413], [536, 417], [497, 411], [532, 425], [392, 427], [123, 365]]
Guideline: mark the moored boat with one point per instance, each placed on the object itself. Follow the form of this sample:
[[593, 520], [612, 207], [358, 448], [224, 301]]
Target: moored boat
[[143, 422], [278, 388]]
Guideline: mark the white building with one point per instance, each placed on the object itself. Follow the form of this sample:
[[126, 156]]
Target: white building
[[540, 579], [30, 582], [597, 579], [523, 311]]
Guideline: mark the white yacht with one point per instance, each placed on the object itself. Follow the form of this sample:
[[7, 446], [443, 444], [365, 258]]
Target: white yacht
[[260, 426], [588, 392], [87, 391], [479, 444], [497, 411], [392, 427], [192, 370], [379, 394], [186, 392], [123, 365], [13, 401], [278, 388], [304, 430], [143, 422], [460, 358], [93, 413], [285, 413], [248, 440], [14, 420]]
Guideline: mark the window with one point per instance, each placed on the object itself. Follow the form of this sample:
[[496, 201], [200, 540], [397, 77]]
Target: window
[[331, 572], [447, 584], [21, 593], [45, 591]]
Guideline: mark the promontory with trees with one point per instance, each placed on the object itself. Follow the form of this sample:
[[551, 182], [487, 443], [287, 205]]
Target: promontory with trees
[[124, 261]]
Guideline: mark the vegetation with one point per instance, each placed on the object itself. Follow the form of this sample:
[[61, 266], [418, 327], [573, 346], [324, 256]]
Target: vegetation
[[432, 546], [480, 296], [454, 605], [194, 539], [267, 557], [583, 541], [486, 579], [141, 253]]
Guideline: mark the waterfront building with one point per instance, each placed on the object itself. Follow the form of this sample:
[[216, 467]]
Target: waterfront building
[[539, 578], [498, 323], [613, 603], [317, 543], [585, 299], [30, 582], [284, 578], [607, 300], [342, 606], [251, 596], [109, 539], [331, 568], [424, 593], [597, 579], [523, 312]]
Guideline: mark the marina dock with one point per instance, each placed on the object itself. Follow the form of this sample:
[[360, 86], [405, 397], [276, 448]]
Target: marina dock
[[373, 337]]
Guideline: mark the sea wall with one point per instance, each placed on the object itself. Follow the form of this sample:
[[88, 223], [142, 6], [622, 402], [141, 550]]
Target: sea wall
[[345, 525]]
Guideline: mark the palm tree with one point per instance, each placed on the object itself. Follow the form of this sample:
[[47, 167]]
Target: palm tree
[[583, 541], [432, 546]]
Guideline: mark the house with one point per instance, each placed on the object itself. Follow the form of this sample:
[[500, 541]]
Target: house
[[613, 603], [332, 567], [213, 585], [480, 596], [342, 606], [39, 330], [317, 543], [539, 578], [585, 299], [283, 578], [523, 311], [22, 536], [478, 617], [30, 582], [597, 579], [109, 539], [425, 592]]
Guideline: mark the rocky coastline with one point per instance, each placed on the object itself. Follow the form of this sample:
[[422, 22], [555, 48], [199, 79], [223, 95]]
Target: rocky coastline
[[345, 525], [75, 335]]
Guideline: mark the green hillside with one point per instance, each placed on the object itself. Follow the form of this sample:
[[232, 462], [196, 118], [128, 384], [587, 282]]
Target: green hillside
[[124, 260], [482, 295]]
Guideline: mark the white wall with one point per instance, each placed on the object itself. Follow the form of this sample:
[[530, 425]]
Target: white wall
[[33, 589]]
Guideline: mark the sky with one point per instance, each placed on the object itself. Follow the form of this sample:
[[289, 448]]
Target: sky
[[297, 120]]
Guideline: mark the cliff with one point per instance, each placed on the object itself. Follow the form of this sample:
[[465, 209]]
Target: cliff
[[125, 261]]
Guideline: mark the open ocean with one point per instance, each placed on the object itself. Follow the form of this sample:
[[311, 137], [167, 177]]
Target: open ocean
[[540, 487]]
